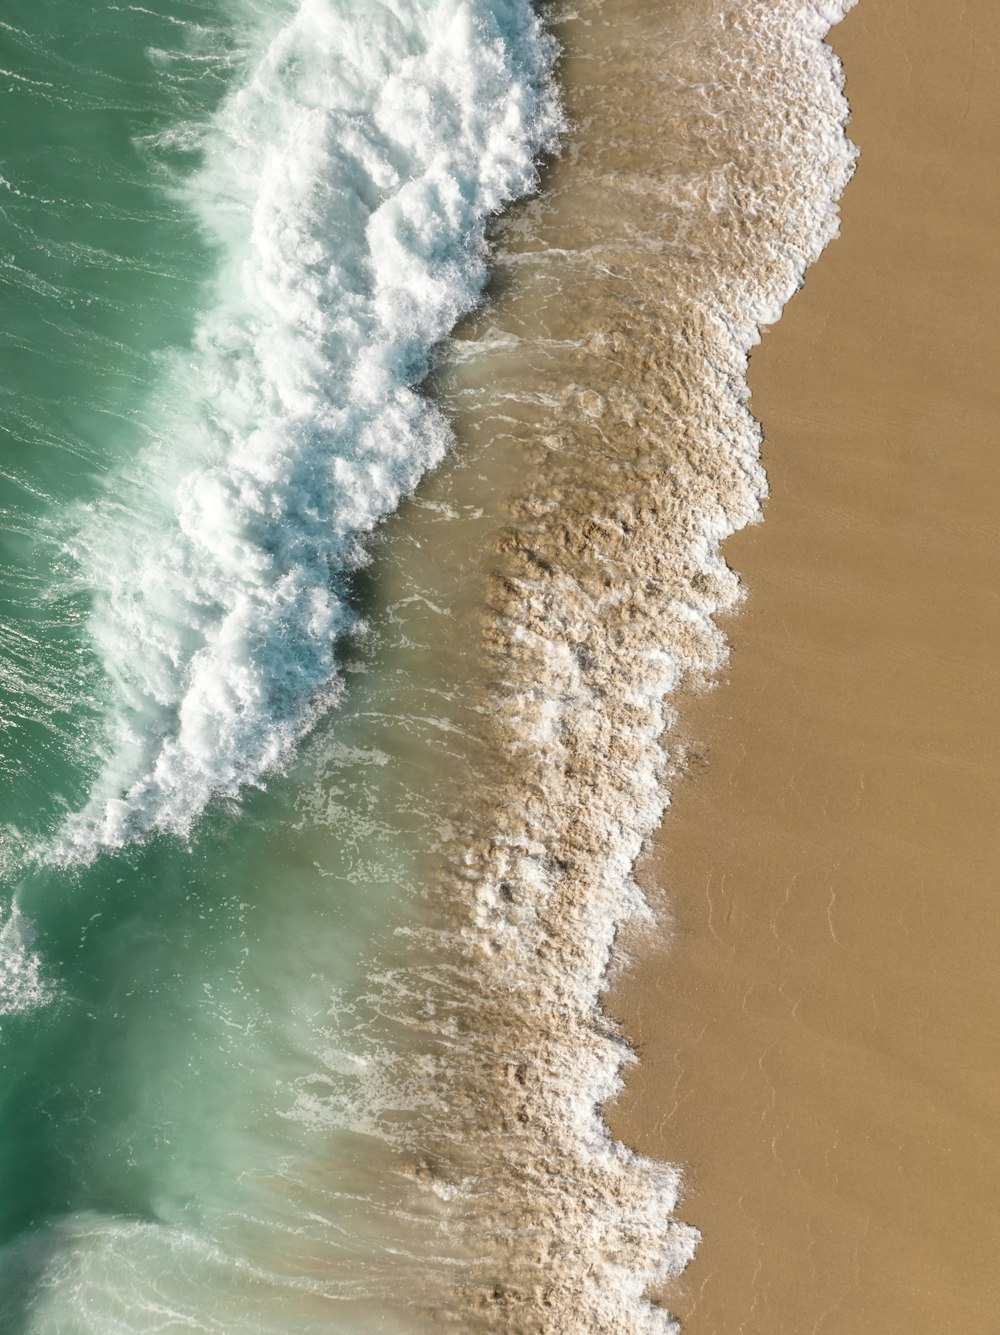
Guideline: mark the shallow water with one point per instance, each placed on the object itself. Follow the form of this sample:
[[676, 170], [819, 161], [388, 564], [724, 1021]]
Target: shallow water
[[332, 1044]]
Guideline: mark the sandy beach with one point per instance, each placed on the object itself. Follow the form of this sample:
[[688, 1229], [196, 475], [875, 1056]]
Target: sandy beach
[[817, 1024]]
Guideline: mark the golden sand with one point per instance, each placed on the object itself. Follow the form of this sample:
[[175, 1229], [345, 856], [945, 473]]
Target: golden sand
[[819, 1039]]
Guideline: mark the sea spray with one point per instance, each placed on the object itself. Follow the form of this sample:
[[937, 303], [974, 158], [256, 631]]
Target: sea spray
[[347, 182]]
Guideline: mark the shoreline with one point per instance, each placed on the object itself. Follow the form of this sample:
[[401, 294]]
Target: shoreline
[[803, 1016]]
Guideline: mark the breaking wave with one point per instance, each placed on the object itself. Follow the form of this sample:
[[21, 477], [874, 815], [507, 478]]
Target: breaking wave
[[346, 183]]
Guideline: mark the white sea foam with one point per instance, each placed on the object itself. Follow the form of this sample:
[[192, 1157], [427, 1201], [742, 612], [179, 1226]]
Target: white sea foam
[[23, 986], [346, 183]]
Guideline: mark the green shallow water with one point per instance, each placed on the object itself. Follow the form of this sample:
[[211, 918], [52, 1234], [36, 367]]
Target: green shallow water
[[100, 270], [185, 1136]]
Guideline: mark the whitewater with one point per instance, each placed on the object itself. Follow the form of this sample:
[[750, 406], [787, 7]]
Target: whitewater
[[346, 184], [335, 1058]]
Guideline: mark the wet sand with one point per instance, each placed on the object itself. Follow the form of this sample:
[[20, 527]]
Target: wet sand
[[818, 1039]]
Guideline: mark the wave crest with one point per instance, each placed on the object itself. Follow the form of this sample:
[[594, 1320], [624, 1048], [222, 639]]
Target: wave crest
[[346, 183]]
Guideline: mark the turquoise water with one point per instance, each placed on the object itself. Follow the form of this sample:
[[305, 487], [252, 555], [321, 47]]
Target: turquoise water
[[329, 745], [226, 253], [100, 268]]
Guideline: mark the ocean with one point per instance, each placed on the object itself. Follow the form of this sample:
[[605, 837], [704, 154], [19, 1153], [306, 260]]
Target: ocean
[[374, 405]]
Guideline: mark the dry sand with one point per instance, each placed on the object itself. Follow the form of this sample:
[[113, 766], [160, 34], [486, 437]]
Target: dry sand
[[819, 1040]]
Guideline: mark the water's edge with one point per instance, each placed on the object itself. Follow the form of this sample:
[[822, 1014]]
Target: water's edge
[[435, 1154]]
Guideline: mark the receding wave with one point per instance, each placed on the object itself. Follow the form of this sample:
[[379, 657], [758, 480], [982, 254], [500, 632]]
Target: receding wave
[[702, 181], [346, 182]]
